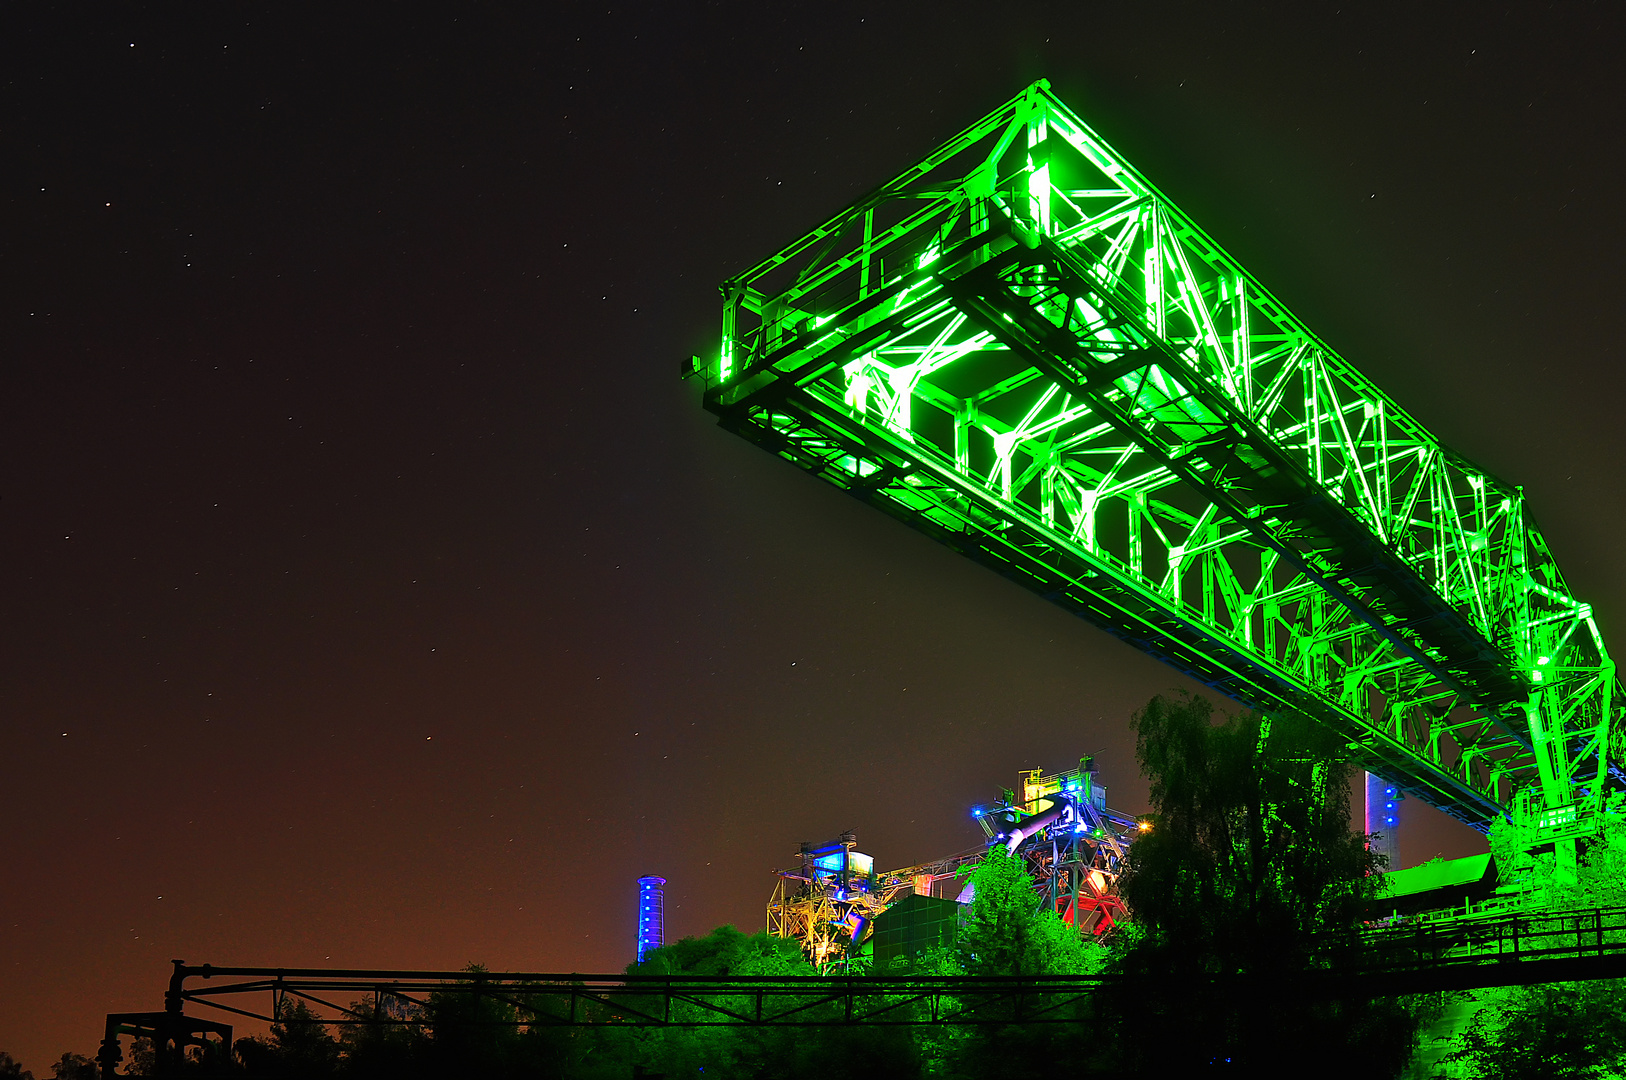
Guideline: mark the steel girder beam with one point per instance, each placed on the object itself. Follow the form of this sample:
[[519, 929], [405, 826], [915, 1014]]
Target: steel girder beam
[[544, 1000], [1563, 946], [1022, 348]]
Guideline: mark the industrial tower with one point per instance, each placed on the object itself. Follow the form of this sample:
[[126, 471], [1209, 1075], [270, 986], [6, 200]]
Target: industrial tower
[[651, 915]]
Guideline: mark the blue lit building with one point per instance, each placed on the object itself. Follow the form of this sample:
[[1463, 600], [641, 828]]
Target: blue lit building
[[1383, 801], [651, 915]]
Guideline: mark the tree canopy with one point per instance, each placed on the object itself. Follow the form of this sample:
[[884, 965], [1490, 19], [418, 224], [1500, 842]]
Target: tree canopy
[[726, 951], [1551, 1032], [1248, 873], [1005, 933]]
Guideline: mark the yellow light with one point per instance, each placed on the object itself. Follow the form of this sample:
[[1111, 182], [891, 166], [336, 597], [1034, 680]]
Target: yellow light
[[1146, 826]]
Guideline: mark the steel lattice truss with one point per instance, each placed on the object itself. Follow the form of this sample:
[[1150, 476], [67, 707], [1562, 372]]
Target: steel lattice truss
[[1020, 347]]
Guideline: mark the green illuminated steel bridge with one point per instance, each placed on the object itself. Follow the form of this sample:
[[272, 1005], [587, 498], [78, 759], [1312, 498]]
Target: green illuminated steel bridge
[[1020, 347]]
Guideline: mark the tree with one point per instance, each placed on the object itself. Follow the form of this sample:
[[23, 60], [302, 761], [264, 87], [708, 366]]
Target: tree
[[299, 1045], [1249, 876], [74, 1067], [473, 1033], [143, 1059], [391, 1045], [785, 1053], [1553, 1032], [1008, 932], [11, 1069], [1005, 933], [726, 951]]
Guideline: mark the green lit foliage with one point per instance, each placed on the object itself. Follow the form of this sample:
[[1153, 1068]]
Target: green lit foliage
[[1250, 871], [710, 1051], [1555, 1032], [1528, 860], [1603, 867], [726, 951], [1006, 934], [744, 1051]]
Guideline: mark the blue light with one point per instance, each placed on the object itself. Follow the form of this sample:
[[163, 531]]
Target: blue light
[[651, 929], [976, 813]]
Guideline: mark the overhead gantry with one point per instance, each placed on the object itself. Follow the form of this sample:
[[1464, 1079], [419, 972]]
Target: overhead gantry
[[1020, 347]]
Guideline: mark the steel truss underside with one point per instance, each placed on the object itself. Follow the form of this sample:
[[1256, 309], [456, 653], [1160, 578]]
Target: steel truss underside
[[1024, 350]]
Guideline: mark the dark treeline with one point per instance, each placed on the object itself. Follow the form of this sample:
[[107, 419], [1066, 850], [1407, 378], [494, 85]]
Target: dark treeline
[[1249, 868], [68, 1067]]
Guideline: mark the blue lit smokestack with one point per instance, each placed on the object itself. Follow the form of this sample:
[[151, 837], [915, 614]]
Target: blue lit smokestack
[[1383, 817], [651, 915]]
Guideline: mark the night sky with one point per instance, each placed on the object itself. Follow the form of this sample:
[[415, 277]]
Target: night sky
[[374, 593]]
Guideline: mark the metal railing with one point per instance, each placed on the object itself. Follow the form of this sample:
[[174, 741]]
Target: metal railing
[[1478, 939]]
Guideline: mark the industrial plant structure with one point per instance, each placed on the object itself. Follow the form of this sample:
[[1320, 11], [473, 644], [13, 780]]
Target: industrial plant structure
[[832, 901]]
